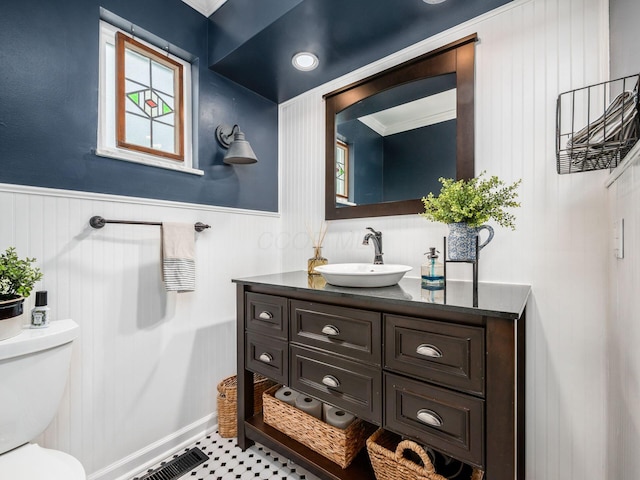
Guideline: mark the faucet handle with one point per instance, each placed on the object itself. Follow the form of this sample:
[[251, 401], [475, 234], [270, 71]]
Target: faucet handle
[[374, 231]]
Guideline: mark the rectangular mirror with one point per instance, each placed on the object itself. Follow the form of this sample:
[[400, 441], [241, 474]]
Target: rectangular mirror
[[391, 136]]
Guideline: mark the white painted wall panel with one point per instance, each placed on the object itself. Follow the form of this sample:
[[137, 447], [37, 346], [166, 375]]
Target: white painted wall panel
[[528, 53], [145, 368], [625, 58], [624, 329]]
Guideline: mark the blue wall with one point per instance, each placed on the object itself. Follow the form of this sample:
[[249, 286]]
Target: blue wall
[[49, 107], [428, 152]]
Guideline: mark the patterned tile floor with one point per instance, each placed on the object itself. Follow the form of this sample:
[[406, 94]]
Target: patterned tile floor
[[228, 462]]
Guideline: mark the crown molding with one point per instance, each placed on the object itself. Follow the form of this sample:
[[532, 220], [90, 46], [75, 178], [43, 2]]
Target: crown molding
[[205, 7]]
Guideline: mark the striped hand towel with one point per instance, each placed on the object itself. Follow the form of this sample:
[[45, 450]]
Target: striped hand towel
[[178, 257]]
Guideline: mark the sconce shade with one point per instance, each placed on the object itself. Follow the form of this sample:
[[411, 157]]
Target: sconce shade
[[240, 151]]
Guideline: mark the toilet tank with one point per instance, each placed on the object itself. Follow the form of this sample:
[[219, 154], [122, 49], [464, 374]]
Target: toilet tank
[[34, 367]]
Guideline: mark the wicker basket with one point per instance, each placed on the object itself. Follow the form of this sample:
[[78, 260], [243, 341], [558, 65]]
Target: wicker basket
[[389, 463], [339, 446], [228, 402]]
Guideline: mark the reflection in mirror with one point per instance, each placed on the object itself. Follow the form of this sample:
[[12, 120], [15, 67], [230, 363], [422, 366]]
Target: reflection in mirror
[[395, 145], [390, 137]]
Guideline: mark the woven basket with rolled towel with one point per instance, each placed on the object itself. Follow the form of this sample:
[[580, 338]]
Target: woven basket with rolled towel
[[396, 459], [338, 445]]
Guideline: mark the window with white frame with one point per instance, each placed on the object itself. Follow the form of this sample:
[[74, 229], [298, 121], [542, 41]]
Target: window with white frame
[[145, 112]]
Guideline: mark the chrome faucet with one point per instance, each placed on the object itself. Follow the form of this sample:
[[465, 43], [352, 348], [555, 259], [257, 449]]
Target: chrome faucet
[[377, 245]]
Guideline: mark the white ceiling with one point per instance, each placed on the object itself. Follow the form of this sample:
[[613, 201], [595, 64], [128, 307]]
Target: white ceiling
[[205, 7], [419, 113]]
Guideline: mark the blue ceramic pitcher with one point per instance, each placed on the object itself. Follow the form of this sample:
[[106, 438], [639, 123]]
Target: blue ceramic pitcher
[[461, 242]]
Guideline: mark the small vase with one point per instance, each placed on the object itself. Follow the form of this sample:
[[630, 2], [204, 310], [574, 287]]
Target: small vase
[[316, 282], [461, 242], [316, 261]]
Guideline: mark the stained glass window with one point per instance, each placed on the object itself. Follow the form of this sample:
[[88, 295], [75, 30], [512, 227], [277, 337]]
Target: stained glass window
[[149, 100], [342, 169]]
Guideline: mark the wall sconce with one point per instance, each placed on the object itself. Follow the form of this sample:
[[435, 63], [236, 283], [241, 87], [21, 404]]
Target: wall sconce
[[240, 151]]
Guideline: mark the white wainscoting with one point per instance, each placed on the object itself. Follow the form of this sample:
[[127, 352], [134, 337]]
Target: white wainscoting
[[528, 52], [145, 368]]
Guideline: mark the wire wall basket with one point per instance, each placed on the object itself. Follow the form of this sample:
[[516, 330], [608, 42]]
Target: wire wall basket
[[596, 126]]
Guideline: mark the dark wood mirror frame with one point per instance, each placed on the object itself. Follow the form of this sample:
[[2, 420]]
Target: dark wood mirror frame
[[457, 57]]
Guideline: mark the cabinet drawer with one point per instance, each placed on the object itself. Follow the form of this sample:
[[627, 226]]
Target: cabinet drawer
[[267, 356], [444, 353], [266, 314], [448, 421], [350, 332], [352, 386]]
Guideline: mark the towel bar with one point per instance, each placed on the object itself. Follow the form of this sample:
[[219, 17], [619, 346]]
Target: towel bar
[[99, 222]]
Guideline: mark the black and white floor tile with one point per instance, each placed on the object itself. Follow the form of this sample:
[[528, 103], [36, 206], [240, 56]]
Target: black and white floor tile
[[228, 462]]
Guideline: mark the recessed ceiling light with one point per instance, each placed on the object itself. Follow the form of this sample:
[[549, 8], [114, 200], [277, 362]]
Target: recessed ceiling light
[[305, 61], [433, 2]]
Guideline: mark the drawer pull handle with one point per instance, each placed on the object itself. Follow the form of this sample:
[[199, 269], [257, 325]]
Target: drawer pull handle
[[429, 351], [430, 418], [265, 358], [330, 381], [330, 330], [265, 315]]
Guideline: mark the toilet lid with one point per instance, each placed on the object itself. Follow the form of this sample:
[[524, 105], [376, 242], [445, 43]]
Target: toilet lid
[[32, 462]]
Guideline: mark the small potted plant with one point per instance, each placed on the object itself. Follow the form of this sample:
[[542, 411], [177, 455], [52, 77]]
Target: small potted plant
[[465, 205], [17, 278]]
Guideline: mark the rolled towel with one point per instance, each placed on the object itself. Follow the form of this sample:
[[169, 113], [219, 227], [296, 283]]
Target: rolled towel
[[338, 418], [309, 405], [286, 395], [325, 408]]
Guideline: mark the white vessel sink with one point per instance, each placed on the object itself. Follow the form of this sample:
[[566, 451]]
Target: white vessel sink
[[362, 274]]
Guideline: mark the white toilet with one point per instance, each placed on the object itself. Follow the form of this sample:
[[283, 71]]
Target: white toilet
[[33, 373]]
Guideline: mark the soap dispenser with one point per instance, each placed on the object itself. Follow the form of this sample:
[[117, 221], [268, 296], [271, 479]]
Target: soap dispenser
[[432, 272]]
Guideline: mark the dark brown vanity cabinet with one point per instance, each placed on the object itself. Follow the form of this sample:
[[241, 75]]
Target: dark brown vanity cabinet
[[446, 375]]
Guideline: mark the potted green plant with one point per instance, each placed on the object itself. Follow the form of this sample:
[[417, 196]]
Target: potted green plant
[[17, 278], [465, 205]]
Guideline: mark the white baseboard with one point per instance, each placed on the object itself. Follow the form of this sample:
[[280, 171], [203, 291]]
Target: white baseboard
[[139, 461]]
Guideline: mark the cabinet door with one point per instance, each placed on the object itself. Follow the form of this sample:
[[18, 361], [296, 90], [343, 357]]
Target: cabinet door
[[350, 332], [267, 356], [352, 386], [448, 421], [267, 314], [447, 354]]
